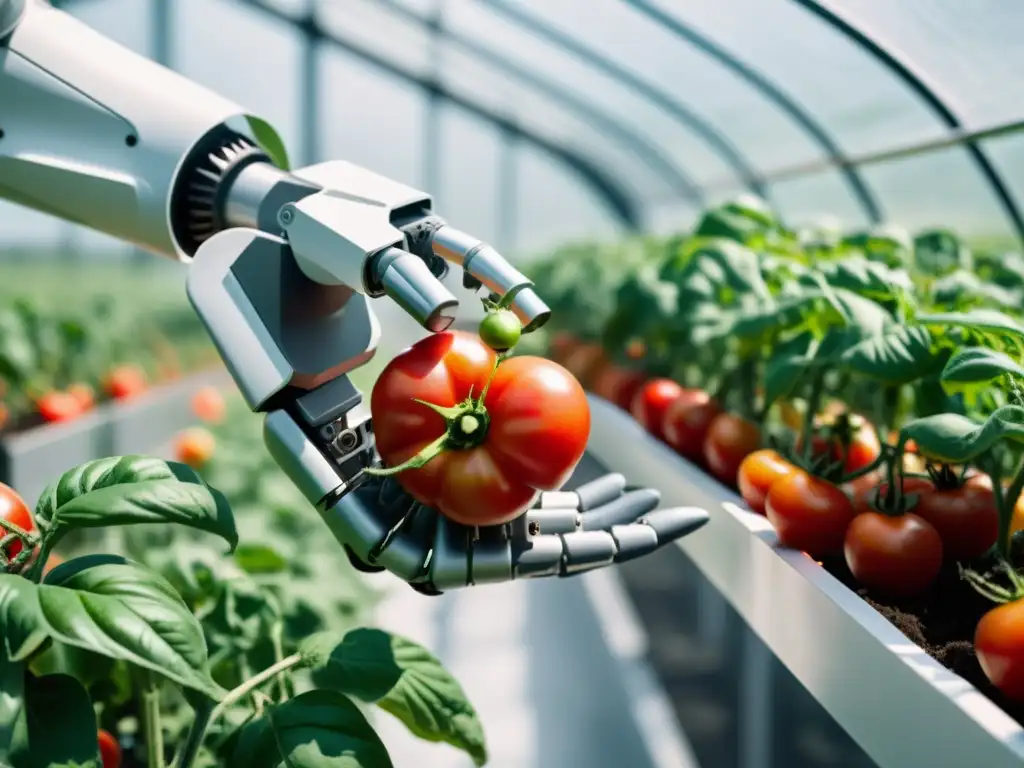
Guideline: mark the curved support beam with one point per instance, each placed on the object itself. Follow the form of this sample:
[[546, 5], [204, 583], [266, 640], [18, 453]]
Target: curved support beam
[[917, 82], [663, 100], [772, 92], [650, 154]]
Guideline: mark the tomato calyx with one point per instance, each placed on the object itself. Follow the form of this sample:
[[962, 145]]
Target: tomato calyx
[[944, 477], [466, 427]]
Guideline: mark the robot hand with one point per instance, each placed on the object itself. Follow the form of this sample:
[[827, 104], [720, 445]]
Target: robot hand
[[290, 316], [563, 534]]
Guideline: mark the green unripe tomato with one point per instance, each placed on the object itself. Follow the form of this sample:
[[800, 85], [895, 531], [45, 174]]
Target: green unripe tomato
[[500, 330]]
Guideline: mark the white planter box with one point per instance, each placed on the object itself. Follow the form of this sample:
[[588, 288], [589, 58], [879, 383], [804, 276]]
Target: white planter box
[[902, 707]]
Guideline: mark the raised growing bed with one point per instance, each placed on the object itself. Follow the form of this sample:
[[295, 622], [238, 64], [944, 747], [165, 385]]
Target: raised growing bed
[[900, 706], [31, 459]]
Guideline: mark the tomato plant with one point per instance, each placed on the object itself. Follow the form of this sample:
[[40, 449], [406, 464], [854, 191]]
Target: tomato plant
[[237, 658], [458, 425]]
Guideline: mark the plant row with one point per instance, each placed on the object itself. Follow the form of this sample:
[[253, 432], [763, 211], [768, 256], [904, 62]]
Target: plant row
[[862, 390]]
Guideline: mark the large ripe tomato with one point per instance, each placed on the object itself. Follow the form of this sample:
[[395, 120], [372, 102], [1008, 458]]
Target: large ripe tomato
[[898, 555], [14, 509], [687, 421], [539, 422], [110, 750], [809, 513], [966, 518], [758, 473], [652, 401], [999, 645], [729, 440]]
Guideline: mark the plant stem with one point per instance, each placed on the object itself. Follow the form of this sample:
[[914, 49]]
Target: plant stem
[[813, 403], [196, 734], [254, 682], [152, 724]]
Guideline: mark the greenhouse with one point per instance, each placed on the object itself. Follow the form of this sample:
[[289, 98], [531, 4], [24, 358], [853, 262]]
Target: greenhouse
[[526, 383]]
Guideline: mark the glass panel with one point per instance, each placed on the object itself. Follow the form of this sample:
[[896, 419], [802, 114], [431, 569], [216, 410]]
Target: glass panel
[[817, 198], [263, 56], [671, 219], [553, 206], [482, 84], [371, 119], [940, 189], [584, 83], [1007, 154], [740, 111], [470, 164], [969, 51], [403, 41], [846, 89]]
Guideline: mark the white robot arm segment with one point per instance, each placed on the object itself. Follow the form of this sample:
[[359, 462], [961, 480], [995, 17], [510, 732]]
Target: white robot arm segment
[[282, 268]]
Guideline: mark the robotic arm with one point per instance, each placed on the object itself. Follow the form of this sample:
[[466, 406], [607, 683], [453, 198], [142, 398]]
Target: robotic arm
[[282, 267]]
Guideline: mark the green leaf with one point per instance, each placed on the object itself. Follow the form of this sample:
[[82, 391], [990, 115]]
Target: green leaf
[[316, 729], [964, 289], [260, 559], [13, 723], [889, 245], [899, 355], [61, 724], [787, 366], [976, 366], [124, 611], [269, 141], [871, 279], [955, 439], [720, 271], [127, 490], [22, 630], [994, 328], [403, 678]]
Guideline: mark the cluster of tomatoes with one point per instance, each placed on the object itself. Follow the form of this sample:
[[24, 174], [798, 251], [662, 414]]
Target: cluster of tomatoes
[[894, 519], [55, 405]]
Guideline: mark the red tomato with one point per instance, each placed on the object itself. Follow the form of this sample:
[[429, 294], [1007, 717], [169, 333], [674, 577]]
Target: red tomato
[[999, 645], [899, 555], [539, 422], [729, 440], [651, 402], [628, 387], [758, 473], [809, 513], [607, 380], [687, 421], [208, 405], [58, 406], [84, 394], [14, 509], [195, 447], [110, 750], [125, 381], [4, 414], [966, 518], [863, 450]]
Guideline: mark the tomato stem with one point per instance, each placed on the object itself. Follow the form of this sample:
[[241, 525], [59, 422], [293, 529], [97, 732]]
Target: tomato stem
[[151, 722], [991, 591]]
